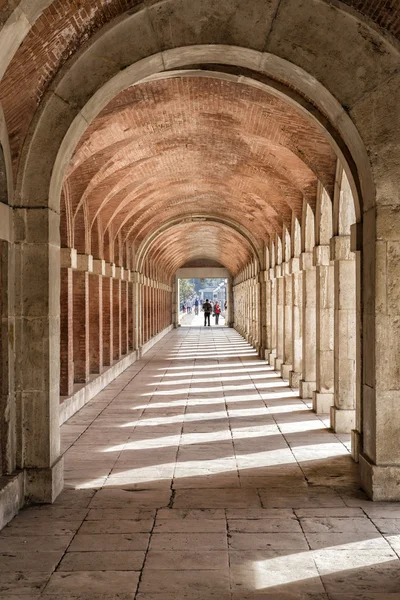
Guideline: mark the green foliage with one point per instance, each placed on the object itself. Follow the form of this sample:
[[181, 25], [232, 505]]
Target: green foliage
[[186, 289]]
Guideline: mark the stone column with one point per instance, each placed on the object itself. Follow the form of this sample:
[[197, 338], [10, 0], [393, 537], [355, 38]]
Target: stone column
[[175, 302], [380, 456], [107, 318], [230, 316], [8, 409], [130, 315], [81, 324], [280, 297], [68, 260], [136, 310], [37, 363], [343, 412], [323, 395], [116, 304], [308, 381], [273, 315], [124, 317], [287, 323], [297, 327], [262, 314], [95, 323]]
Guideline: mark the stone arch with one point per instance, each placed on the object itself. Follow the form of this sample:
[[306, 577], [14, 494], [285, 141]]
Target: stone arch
[[361, 126], [71, 123], [142, 251]]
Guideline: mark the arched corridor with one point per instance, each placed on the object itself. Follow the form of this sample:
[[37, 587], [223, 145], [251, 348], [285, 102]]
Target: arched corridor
[[143, 142], [199, 473]]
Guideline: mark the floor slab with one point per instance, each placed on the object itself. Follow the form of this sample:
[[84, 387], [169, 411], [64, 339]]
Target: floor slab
[[200, 474]]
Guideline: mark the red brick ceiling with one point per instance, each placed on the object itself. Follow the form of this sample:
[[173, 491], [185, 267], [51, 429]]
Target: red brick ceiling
[[190, 241], [188, 146], [66, 24], [178, 147]]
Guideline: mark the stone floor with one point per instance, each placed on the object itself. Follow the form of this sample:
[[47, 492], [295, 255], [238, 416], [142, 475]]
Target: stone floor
[[193, 320], [199, 474]]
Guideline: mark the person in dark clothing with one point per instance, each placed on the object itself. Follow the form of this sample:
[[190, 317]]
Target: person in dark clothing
[[207, 308]]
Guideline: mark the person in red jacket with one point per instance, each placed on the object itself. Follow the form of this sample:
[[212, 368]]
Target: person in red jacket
[[217, 312]]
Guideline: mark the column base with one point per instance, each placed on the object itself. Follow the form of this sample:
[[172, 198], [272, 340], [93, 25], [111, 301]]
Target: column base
[[11, 497], [342, 421], [278, 363], [42, 486], [285, 371], [306, 388], [356, 444], [380, 482], [294, 379], [271, 358], [322, 403]]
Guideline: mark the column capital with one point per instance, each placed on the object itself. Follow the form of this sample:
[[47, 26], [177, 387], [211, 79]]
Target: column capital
[[286, 268], [295, 264], [135, 277], [340, 248], [99, 266], [68, 258], [84, 262], [119, 272], [278, 271], [306, 261], [109, 269], [321, 255]]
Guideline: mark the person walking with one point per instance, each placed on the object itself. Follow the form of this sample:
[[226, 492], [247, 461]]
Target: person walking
[[217, 312], [207, 308], [196, 306]]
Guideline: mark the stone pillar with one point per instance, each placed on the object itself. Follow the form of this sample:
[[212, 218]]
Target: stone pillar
[[323, 395], [308, 381], [231, 306], [175, 302], [280, 301], [262, 314], [107, 318], [37, 363], [380, 456], [297, 328], [116, 285], [287, 323], [273, 315], [356, 246], [66, 330], [81, 325], [343, 412], [130, 316], [136, 310], [124, 318], [95, 323], [8, 412]]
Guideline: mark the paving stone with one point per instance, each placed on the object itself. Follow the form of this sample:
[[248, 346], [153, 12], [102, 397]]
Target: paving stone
[[108, 542], [102, 561]]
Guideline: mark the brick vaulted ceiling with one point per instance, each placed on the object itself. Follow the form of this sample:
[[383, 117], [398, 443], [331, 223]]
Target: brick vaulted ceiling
[[66, 25], [193, 147]]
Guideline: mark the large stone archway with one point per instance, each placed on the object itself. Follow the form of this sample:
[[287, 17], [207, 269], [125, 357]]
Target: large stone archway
[[354, 110]]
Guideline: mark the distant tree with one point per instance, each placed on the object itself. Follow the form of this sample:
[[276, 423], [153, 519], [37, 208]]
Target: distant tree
[[186, 290]]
